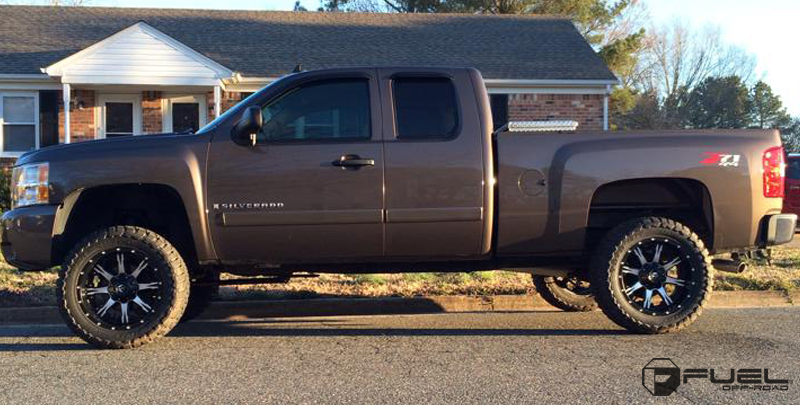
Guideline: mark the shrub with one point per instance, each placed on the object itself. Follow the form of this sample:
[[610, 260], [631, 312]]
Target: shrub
[[5, 189]]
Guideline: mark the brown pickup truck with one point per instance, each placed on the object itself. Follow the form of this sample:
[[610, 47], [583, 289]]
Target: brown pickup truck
[[390, 170]]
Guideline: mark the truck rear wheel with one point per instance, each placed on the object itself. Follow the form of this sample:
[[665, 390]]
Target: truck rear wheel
[[566, 293], [652, 275], [122, 287]]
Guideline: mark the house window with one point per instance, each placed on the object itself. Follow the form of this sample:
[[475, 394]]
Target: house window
[[119, 119], [184, 113], [120, 115], [185, 117], [20, 123], [499, 103]]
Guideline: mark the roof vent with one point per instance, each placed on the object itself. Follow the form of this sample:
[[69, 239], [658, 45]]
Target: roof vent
[[541, 126]]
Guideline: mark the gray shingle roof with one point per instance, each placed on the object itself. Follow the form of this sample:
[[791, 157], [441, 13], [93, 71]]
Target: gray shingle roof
[[270, 43]]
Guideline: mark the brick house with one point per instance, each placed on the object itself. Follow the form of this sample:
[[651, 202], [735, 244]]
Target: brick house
[[70, 74]]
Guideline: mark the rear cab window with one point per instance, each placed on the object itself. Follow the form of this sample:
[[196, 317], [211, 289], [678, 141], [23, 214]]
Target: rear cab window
[[425, 108]]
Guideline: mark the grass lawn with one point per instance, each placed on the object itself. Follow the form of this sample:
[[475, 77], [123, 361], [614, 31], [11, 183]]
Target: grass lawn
[[32, 289]]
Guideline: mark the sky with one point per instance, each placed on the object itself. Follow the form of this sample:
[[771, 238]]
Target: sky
[[766, 28]]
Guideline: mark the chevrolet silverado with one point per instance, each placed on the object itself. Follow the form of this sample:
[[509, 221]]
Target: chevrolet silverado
[[394, 169]]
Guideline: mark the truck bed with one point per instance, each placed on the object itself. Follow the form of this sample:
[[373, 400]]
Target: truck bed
[[550, 183]]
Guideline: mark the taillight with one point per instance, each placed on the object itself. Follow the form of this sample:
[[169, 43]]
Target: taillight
[[774, 169]]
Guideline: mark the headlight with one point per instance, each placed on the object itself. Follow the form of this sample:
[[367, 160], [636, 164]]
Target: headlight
[[30, 185]]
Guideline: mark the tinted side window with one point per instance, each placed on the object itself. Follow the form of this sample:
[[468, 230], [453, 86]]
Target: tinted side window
[[426, 108], [326, 110], [793, 169]]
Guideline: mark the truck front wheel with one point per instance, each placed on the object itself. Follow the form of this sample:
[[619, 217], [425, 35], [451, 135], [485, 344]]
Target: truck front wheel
[[122, 287], [571, 294], [652, 275]]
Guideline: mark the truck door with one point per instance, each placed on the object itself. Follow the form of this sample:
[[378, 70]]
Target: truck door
[[434, 165], [311, 189]]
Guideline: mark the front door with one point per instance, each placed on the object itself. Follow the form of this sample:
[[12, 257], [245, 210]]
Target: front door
[[311, 189]]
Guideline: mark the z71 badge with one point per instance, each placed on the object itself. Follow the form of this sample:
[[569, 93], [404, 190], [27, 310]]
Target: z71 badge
[[721, 159]]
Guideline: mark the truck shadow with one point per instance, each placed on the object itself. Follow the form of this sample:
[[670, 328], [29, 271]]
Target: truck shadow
[[50, 338], [257, 329]]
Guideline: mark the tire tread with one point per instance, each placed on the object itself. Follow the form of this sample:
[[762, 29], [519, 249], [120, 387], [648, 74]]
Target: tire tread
[[610, 252], [157, 242], [551, 292]]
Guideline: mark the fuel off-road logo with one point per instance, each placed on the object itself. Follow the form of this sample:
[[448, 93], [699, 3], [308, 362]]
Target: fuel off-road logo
[[661, 377]]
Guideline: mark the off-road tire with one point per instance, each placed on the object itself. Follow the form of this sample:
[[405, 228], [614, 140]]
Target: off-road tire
[[200, 297], [174, 291], [563, 298], [606, 268]]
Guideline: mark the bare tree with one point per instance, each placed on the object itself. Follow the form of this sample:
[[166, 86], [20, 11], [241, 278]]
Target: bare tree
[[630, 21], [367, 6], [506, 6], [679, 57]]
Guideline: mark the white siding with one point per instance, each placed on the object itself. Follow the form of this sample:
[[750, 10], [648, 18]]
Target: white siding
[[139, 55]]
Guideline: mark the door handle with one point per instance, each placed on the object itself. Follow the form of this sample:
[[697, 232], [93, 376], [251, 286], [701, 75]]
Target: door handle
[[352, 162]]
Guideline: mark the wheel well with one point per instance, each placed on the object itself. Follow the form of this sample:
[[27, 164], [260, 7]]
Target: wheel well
[[152, 206], [684, 200]]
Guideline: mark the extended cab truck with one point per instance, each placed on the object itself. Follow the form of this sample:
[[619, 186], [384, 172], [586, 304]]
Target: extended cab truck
[[389, 169]]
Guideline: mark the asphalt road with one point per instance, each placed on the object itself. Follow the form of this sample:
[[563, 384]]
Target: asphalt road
[[480, 358]]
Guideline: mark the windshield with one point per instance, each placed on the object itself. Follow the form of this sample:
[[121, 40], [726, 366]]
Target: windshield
[[234, 109]]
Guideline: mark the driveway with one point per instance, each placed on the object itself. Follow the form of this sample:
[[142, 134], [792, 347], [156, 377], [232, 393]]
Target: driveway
[[480, 358]]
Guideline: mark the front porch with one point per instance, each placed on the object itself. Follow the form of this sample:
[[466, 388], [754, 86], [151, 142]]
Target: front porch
[[32, 119], [139, 81], [97, 112]]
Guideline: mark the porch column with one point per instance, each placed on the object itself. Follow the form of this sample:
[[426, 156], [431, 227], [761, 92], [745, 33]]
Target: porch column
[[66, 90], [605, 107], [217, 100]]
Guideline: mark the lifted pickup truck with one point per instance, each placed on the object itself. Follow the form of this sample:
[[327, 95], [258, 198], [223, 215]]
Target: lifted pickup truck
[[389, 170]]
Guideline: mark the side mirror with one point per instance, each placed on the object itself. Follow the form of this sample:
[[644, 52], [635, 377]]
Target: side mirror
[[248, 126]]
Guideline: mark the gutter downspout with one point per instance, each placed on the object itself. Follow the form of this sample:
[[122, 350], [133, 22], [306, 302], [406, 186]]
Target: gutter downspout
[[605, 107]]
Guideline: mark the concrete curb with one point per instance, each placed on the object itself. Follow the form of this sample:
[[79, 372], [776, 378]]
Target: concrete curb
[[238, 310], [30, 315]]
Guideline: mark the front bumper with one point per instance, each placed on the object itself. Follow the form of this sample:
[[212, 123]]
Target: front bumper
[[26, 236], [778, 229]]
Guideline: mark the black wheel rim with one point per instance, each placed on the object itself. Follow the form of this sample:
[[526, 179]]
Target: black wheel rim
[[120, 288], [656, 276], [574, 285]]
